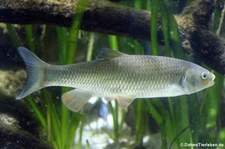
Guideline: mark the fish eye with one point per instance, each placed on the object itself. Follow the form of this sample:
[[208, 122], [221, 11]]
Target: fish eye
[[204, 75]]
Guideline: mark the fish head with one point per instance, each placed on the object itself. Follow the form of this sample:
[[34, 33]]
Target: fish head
[[196, 79]]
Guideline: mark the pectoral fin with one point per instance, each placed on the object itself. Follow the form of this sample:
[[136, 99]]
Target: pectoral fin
[[124, 101], [75, 99]]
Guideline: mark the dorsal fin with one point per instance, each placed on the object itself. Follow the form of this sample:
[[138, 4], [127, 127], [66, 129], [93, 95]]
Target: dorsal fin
[[107, 53]]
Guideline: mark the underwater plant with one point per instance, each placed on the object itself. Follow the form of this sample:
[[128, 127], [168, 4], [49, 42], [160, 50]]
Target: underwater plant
[[176, 122]]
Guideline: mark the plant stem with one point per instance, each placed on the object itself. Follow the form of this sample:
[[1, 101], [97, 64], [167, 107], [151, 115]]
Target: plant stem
[[90, 46], [154, 25]]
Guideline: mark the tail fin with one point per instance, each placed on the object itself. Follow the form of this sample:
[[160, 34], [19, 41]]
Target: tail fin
[[35, 72]]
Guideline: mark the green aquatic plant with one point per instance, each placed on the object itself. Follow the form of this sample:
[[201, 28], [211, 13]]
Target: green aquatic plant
[[13, 35], [68, 47], [187, 119], [181, 119], [114, 44], [59, 124], [154, 26]]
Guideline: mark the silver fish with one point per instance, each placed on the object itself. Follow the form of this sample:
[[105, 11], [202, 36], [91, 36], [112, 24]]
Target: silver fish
[[115, 75]]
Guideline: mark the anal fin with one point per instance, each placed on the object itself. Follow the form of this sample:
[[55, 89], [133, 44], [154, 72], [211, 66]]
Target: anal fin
[[108, 98], [75, 99], [124, 101]]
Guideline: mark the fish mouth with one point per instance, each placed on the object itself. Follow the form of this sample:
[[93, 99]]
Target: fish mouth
[[211, 84], [212, 80]]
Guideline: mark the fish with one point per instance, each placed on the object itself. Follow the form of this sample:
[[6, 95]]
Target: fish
[[115, 75]]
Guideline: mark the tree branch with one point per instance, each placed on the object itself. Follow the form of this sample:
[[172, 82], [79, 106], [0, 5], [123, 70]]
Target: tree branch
[[111, 18]]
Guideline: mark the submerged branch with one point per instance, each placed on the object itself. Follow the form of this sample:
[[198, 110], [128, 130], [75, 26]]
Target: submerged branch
[[111, 18], [209, 48], [100, 16]]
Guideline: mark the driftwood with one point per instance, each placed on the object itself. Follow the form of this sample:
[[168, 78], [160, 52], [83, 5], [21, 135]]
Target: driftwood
[[111, 18]]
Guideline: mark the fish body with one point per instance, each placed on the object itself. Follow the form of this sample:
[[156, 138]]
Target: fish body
[[115, 75]]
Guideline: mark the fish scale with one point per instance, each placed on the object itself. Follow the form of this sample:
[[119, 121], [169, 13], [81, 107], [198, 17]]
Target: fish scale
[[116, 78], [115, 75]]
